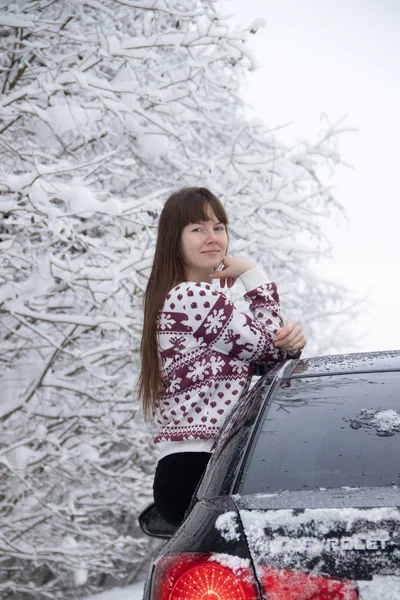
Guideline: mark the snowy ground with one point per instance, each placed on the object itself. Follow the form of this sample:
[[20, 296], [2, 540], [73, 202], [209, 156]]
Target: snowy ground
[[132, 592]]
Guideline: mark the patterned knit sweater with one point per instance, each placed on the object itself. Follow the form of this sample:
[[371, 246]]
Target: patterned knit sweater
[[207, 347]]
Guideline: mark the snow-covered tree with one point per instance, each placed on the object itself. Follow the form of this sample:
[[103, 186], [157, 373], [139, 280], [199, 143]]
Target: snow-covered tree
[[106, 107]]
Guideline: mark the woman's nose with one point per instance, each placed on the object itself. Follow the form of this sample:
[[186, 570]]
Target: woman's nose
[[211, 236]]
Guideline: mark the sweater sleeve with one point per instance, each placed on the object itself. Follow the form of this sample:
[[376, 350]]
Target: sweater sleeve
[[218, 324], [263, 298], [275, 319]]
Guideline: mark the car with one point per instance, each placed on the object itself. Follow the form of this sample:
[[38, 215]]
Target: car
[[301, 498]]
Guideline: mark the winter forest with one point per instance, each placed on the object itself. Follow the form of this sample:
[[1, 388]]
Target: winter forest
[[106, 107]]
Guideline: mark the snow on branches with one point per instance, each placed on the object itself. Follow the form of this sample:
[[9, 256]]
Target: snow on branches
[[106, 107]]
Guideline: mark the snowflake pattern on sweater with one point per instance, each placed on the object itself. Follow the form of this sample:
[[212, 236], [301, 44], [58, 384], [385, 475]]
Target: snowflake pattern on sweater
[[207, 347]]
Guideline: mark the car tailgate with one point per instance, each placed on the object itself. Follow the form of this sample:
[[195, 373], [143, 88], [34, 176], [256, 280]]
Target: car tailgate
[[316, 538]]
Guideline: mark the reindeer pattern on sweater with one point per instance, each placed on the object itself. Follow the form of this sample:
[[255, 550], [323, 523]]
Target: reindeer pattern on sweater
[[207, 349]]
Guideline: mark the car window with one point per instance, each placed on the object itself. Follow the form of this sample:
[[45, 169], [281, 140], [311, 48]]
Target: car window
[[231, 445], [328, 432]]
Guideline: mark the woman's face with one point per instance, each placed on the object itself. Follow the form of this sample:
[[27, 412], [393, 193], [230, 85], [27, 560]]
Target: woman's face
[[203, 247]]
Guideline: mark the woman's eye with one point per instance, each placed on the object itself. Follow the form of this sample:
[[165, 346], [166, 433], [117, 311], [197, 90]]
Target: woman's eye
[[219, 228]]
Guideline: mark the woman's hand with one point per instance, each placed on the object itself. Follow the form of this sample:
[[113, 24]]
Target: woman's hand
[[233, 268], [290, 337]]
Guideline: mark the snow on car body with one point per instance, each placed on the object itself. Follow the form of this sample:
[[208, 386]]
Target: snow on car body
[[301, 499]]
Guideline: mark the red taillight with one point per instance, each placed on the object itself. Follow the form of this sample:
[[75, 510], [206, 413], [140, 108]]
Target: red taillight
[[198, 576], [289, 585]]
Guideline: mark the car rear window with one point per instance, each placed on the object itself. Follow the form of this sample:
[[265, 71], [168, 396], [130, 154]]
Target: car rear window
[[328, 432]]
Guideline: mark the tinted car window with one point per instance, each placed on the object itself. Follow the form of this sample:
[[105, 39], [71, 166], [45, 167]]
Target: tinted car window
[[232, 443], [328, 432]]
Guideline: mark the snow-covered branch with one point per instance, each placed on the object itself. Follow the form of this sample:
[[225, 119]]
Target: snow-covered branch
[[106, 107]]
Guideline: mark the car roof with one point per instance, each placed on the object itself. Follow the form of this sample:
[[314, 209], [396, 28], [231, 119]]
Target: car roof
[[246, 418], [341, 364]]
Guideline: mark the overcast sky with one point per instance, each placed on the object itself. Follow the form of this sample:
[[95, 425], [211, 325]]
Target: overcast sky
[[342, 57]]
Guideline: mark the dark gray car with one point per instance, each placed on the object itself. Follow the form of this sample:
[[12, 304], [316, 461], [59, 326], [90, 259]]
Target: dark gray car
[[301, 499]]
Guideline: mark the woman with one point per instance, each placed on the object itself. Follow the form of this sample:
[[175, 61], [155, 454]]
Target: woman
[[197, 348]]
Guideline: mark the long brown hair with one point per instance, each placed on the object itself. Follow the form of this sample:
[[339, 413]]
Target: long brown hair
[[188, 205]]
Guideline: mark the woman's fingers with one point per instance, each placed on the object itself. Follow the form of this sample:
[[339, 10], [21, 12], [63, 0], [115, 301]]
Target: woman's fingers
[[228, 281], [290, 337], [233, 268], [225, 273], [286, 334], [297, 345]]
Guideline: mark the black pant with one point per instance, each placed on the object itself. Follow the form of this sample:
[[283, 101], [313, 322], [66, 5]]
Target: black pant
[[176, 479]]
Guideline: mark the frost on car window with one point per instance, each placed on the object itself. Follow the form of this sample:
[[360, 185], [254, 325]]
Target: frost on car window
[[384, 422]]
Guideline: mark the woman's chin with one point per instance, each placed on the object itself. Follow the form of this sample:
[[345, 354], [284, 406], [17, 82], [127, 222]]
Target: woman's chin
[[215, 265]]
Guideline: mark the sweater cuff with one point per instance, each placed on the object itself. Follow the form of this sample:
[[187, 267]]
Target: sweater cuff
[[294, 353], [253, 278]]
